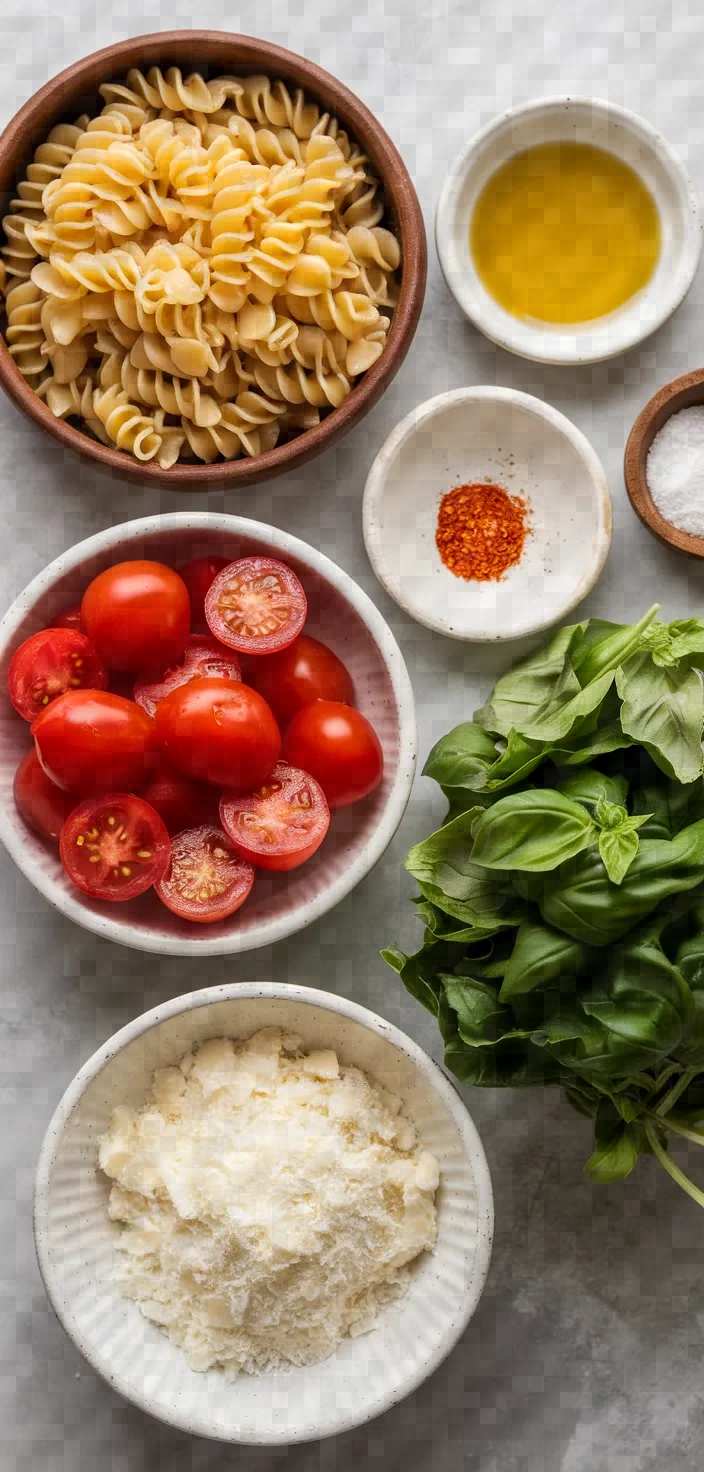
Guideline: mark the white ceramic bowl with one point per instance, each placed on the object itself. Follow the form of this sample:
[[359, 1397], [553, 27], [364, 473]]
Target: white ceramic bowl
[[76, 1242], [340, 614], [631, 139], [511, 439]]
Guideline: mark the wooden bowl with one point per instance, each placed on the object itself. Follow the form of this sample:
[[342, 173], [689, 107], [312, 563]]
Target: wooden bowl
[[216, 52], [681, 393]]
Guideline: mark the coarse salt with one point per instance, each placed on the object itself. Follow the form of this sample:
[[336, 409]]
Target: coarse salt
[[674, 470]]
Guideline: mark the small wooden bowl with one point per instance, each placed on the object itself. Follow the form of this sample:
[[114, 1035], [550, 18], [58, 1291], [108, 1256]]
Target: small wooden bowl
[[681, 393], [216, 52]]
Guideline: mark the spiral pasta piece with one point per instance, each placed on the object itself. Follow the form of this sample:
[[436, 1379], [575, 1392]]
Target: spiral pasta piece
[[27, 211], [174, 395], [24, 334], [125, 424], [170, 90]]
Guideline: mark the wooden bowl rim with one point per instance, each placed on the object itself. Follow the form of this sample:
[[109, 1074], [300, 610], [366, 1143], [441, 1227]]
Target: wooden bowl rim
[[252, 54], [650, 421]]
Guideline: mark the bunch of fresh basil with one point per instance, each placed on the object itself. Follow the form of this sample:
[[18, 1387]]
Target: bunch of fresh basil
[[563, 897]]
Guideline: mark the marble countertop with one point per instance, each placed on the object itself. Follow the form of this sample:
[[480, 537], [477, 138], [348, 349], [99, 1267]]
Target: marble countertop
[[585, 1352]]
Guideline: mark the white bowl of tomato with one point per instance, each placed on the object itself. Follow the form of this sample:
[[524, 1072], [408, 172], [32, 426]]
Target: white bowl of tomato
[[207, 734]]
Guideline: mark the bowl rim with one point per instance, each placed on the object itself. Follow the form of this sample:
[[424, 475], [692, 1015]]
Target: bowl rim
[[328, 1001], [267, 933], [499, 330], [375, 490], [253, 53], [661, 407]]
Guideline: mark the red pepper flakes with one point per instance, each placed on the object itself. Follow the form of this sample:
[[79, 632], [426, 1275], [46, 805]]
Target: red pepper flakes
[[481, 531]]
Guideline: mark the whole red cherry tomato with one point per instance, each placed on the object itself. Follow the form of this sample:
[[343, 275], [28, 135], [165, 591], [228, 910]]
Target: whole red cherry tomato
[[256, 605], [50, 663], [279, 825], [137, 614], [69, 618], [218, 731], [89, 741], [114, 847], [307, 670], [338, 746], [181, 804], [42, 804], [198, 576], [203, 658], [205, 880]]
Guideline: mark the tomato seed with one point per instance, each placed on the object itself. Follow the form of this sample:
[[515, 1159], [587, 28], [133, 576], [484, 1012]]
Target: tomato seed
[[80, 840], [144, 853]]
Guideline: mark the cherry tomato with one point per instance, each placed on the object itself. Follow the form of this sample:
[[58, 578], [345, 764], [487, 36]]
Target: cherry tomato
[[89, 741], [205, 880], [337, 745], [281, 824], [180, 803], [218, 731], [198, 575], [42, 804], [70, 618], [307, 670], [138, 615], [204, 657], [256, 605], [114, 847], [50, 663]]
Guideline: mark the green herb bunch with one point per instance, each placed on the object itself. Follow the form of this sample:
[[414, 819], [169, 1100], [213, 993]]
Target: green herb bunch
[[563, 898]]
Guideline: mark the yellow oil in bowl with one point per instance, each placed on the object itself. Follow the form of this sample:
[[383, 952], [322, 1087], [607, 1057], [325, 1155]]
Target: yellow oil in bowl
[[564, 232]]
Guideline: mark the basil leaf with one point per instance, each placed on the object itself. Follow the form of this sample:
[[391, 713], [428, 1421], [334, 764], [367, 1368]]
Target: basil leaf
[[534, 831], [618, 849], [617, 1146], [590, 787], [584, 748], [445, 858], [539, 957], [671, 806], [532, 684], [481, 1020], [592, 659], [663, 710], [490, 909], [567, 712], [462, 758], [687, 635]]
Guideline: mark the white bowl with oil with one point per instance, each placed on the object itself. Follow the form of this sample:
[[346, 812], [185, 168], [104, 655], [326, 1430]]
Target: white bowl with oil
[[632, 140], [500, 436]]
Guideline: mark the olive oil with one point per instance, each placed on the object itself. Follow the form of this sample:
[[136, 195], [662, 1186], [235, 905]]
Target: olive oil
[[564, 232]]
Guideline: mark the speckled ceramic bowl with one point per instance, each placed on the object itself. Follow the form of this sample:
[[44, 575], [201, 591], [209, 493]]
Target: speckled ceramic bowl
[[340, 614], [76, 1242]]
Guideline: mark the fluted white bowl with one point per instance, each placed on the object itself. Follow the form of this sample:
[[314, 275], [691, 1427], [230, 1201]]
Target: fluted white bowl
[[77, 1243], [340, 614]]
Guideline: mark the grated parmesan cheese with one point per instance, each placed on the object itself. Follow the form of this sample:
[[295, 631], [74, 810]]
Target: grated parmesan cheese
[[270, 1201]]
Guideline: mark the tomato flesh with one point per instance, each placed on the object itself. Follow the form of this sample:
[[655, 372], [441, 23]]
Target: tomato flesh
[[204, 658], [206, 880], [41, 803], [256, 605], [89, 741], [198, 576], [69, 618], [47, 665], [339, 747], [306, 671], [115, 847], [280, 825], [138, 615], [218, 731], [180, 803]]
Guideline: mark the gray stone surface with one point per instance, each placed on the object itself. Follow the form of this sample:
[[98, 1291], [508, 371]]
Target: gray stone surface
[[584, 1355]]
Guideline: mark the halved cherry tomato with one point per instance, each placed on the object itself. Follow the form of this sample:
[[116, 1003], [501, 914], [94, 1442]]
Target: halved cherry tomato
[[89, 741], [198, 575], [281, 824], [42, 804], [205, 880], [304, 672], [256, 605], [181, 804], [338, 746], [70, 618], [50, 663], [218, 731], [203, 658], [114, 847], [138, 615]]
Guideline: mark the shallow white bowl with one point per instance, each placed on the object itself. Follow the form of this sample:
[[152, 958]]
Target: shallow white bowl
[[511, 439], [340, 614], [631, 139], [76, 1242]]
